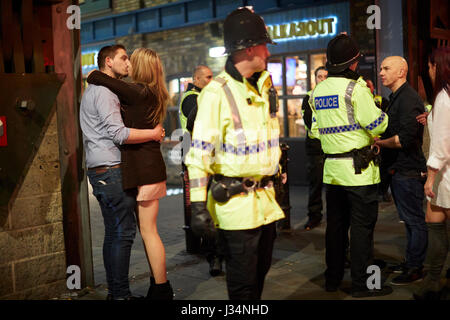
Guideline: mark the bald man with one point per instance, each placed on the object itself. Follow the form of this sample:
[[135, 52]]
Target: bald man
[[403, 156], [201, 77]]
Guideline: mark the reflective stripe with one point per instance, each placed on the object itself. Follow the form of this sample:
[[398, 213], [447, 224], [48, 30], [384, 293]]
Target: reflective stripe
[[340, 129], [199, 144], [198, 183], [348, 102], [240, 136], [239, 150], [251, 149], [183, 118], [377, 122]]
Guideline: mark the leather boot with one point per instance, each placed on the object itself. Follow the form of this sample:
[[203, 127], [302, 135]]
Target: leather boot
[[151, 288], [436, 256], [162, 291], [215, 266]]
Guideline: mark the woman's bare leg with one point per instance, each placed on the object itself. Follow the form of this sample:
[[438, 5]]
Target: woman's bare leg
[[154, 248]]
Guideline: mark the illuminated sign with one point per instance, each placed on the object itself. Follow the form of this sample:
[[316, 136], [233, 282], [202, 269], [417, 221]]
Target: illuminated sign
[[88, 59], [303, 29]]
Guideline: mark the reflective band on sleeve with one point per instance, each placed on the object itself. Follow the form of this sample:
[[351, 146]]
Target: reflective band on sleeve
[[240, 136], [348, 102], [198, 183], [340, 129], [377, 122], [199, 144]]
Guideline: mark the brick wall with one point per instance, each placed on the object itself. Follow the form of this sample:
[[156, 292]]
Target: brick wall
[[130, 5], [32, 253], [119, 6]]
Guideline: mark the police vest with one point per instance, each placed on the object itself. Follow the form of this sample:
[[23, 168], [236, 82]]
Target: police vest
[[182, 116], [347, 118], [311, 132], [236, 136]]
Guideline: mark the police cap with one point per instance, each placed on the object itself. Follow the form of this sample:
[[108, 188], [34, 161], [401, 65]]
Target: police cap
[[243, 29], [342, 51]]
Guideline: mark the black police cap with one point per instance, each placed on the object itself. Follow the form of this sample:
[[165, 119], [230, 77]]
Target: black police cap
[[243, 29], [342, 51]]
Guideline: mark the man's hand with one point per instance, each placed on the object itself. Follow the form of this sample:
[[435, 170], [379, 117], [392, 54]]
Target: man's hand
[[202, 224], [284, 178], [422, 118]]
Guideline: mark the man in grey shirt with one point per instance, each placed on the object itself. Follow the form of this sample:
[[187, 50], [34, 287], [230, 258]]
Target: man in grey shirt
[[103, 131]]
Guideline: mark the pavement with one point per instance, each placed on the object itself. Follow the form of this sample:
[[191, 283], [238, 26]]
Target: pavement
[[298, 257]]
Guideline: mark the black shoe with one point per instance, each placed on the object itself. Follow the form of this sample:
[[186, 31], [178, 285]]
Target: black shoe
[[409, 276], [215, 266], [150, 289], [313, 222], [398, 268], [384, 291], [162, 291], [380, 263], [331, 287]]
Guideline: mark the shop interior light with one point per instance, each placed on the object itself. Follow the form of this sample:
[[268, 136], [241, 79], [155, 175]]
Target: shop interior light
[[216, 52]]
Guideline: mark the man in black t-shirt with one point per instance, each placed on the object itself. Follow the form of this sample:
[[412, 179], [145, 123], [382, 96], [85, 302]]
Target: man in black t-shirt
[[405, 161]]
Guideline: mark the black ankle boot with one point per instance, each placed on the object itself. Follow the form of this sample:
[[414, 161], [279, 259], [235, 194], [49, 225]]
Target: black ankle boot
[[151, 288], [162, 291]]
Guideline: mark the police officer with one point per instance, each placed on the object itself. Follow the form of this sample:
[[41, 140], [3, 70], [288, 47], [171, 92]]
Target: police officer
[[187, 113], [347, 121], [314, 155], [188, 104], [235, 143]]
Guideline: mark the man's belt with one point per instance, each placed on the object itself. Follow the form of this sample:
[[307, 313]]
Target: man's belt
[[361, 157], [223, 188], [103, 169]]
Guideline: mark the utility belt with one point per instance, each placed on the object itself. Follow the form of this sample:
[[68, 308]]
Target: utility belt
[[223, 188], [361, 157]]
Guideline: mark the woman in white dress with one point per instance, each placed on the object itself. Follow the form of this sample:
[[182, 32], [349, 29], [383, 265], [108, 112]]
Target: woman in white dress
[[437, 186]]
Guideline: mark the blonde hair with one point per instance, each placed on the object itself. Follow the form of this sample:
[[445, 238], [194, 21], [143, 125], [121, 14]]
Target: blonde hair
[[147, 69]]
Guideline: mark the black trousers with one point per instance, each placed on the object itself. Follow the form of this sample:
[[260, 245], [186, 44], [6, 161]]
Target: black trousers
[[315, 178], [248, 256], [356, 207]]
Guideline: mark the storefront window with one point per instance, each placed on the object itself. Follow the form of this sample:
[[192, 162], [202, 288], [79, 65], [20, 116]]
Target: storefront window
[[292, 76], [316, 60], [275, 68], [296, 76]]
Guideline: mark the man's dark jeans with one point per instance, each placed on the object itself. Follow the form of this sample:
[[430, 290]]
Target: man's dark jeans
[[357, 207], [117, 208], [408, 196]]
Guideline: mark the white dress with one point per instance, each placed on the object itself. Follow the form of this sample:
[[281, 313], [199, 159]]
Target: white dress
[[439, 157]]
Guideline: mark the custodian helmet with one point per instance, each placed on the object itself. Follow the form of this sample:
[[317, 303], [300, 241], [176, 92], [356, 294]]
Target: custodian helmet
[[243, 29], [342, 51]]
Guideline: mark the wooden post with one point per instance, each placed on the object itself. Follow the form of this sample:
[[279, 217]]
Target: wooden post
[[73, 182]]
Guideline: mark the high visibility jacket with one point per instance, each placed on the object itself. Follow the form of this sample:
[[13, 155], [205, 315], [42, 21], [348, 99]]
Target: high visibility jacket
[[183, 117], [347, 119], [236, 136], [312, 132]]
